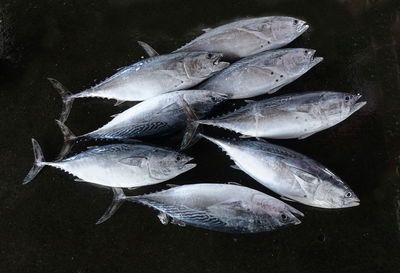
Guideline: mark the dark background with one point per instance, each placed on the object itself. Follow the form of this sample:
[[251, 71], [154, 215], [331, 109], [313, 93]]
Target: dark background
[[49, 225]]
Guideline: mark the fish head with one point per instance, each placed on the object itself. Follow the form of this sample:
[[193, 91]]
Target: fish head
[[300, 60], [337, 106], [277, 32], [332, 192], [202, 65], [166, 164], [273, 213]]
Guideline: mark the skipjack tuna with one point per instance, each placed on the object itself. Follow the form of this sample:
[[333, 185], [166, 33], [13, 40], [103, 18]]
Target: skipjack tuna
[[118, 165], [249, 36], [219, 207], [292, 175], [149, 78], [264, 73], [159, 115], [291, 116]]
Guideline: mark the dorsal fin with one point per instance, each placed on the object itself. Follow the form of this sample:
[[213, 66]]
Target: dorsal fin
[[149, 50]]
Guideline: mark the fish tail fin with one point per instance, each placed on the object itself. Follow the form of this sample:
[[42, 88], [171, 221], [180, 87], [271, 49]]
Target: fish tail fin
[[38, 164], [69, 139], [66, 96], [192, 127], [118, 198]]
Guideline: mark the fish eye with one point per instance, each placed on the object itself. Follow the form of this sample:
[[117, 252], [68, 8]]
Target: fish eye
[[296, 22], [348, 194], [284, 217], [214, 99], [178, 158], [209, 56], [347, 98], [306, 51]]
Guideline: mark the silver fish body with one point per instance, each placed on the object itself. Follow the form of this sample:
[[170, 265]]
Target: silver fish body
[[118, 165], [290, 116], [157, 75], [159, 115], [218, 207], [263, 73], [249, 36], [289, 174], [149, 77]]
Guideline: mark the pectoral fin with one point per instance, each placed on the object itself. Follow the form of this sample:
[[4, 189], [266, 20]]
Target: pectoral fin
[[305, 136], [136, 161], [236, 167]]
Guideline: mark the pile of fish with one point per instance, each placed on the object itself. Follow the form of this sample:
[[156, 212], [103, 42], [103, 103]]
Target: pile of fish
[[239, 60]]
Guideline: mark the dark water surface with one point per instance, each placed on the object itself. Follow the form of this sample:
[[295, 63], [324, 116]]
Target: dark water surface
[[48, 225]]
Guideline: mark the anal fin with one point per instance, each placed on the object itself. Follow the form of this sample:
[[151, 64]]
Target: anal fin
[[164, 218], [177, 222]]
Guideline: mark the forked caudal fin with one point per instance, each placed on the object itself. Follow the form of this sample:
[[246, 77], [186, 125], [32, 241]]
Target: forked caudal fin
[[192, 127], [69, 139], [66, 97], [118, 198], [38, 164]]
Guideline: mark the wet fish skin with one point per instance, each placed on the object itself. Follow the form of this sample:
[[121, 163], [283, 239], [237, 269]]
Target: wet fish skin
[[149, 78], [218, 207], [292, 175], [249, 36], [160, 115], [263, 73], [290, 116], [118, 165]]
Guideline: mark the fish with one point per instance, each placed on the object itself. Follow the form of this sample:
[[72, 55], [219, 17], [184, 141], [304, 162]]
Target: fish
[[118, 165], [160, 115], [292, 175], [285, 117], [249, 36], [148, 78], [218, 207], [263, 73]]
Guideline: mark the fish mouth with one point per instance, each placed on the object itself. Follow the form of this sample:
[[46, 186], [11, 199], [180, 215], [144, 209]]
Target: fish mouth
[[295, 213], [186, 166], [352, 203], [218, 63], [357, 105], [314, 60], [302, 27]]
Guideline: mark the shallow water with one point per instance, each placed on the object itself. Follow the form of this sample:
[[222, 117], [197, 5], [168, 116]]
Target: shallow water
[[48, 225]]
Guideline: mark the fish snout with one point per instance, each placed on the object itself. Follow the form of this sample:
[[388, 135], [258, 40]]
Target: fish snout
[[301, 26], [313, 60], [357, 105], [353, 202]]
